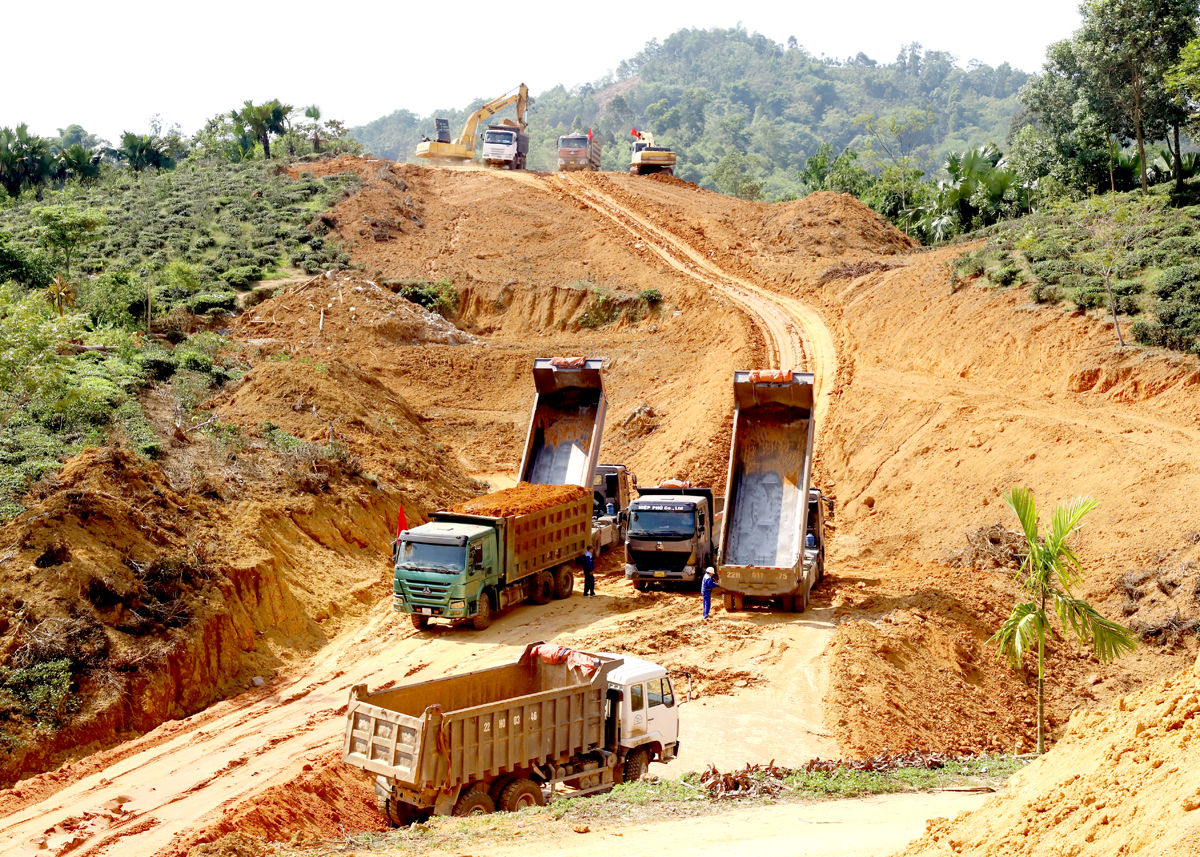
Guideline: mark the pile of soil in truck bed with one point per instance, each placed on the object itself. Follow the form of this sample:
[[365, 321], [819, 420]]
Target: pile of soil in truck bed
[[521, 499]]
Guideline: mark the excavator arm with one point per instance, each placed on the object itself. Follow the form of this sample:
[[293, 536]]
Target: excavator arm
[[487, 111]]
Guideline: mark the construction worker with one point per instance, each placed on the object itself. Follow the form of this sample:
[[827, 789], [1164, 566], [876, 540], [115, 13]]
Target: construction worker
[[589, 579], [707, 585]]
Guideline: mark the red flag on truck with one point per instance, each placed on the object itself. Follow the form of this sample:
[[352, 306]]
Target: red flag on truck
[[589, 133], [401, 522], [635, 133]]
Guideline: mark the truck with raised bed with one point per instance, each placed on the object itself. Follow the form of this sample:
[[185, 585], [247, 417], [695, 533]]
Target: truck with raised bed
[[672, 534], [514, 735], [522, 543], [578, 151], [768, 522], [469, 561]]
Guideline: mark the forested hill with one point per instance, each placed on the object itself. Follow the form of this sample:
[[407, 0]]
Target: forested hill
[[708, 93]]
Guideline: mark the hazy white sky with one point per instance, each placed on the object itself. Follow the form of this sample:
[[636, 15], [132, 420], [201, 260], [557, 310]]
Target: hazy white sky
[[110, 68]]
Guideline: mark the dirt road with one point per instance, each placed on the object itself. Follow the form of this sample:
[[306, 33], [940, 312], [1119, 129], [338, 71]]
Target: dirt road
[[867, 827]]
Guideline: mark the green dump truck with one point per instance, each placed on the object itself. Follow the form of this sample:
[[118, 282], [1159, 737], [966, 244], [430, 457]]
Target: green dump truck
[[510, 736]]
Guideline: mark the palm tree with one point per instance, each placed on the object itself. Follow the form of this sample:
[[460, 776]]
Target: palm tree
[[25, 161], [313, 112], [77, 162], [142, 152], [1049, 575], [263, 120]]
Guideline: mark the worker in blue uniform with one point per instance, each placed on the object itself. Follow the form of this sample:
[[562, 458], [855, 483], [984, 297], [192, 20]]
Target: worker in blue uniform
[[589, 578], [707, 585]]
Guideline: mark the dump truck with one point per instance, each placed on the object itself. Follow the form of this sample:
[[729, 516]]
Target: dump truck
[[511, 736], [646, 158], [672, 534], [562, 444], [474, 559], [762, 557], [578, 151], [505, 146], [612, 489], [461, 149]]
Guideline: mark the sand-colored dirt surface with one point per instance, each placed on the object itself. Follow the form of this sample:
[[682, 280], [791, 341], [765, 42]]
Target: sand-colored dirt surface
[[930, 405], [521, 499]]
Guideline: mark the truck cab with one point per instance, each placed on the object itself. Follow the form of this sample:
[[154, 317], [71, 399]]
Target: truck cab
[[814, 538], [443, 568], [671, 535], [612, 490], [648, 708], [505, 146]]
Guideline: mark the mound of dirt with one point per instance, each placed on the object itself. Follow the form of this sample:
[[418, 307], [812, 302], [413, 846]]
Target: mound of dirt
[[831, 224], [337, 312], [522, 499], [325, 402], [324, 800], [1121, 781]]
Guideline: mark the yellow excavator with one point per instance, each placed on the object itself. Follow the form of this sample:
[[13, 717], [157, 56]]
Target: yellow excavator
[[509, 147]]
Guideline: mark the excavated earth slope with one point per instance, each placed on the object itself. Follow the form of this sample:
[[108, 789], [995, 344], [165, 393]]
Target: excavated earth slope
[[930, 405]]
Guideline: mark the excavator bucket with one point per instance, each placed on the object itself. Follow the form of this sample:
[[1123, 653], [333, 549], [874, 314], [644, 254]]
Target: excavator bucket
[[770, 462], [563, 442]]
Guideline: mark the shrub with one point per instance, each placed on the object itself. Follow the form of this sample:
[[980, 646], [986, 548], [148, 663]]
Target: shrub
[[651, 296], [1046, 293], [201, 304], [41, 691], [116, 297], [1007, 274], [1172, 279], [241, 276], [440, 297]]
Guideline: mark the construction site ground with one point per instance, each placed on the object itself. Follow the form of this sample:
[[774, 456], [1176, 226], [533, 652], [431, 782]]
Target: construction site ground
[[931, 403]]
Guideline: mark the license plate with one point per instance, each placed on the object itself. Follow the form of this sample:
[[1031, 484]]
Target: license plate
[[427, 611], [660, 574]]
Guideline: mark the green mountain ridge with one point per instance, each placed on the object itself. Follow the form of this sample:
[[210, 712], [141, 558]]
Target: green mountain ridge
[[708, 93]]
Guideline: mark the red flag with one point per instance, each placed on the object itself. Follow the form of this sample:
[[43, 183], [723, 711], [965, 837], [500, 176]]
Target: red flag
[[401, 522], [635, 133], [589, 133]]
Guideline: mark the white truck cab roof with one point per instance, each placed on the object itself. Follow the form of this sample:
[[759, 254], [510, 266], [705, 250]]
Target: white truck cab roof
[[633, 670]]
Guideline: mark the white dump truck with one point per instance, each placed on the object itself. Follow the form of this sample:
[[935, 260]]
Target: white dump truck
[[512, 736]]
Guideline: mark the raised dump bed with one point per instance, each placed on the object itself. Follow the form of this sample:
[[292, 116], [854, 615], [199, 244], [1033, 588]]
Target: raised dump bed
[[766, 508], [563, 442]]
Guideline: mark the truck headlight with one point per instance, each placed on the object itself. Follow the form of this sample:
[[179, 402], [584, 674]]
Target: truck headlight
[[457, 605], [630, 570]]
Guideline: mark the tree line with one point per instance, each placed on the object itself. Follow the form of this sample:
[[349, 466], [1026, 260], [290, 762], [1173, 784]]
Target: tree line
[[32, 163]]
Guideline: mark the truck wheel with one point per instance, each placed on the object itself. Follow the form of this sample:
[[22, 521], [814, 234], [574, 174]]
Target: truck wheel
[[397, 812], [521, 793], [421, 623], [564, 582], [543, 588], [641, 585], [483, 614], [636, 764], [474, 802], [497, 788], [727, 601]]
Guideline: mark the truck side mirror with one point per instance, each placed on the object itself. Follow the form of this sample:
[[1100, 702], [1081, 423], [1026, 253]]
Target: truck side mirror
[[477, 555]]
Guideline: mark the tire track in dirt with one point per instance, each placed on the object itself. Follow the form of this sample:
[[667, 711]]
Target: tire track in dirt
[[795, 333]]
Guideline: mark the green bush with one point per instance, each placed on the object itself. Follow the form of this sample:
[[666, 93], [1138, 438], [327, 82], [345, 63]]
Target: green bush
[[115, 297], [1045, 293], [651, 296], [1006, 275], [241, 276], [1174, 278], [440, 297], [201, 304], [42, 691]]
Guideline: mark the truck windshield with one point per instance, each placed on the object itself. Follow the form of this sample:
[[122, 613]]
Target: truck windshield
[[501, 137], [572, 142], [662, 525], [433, 557]]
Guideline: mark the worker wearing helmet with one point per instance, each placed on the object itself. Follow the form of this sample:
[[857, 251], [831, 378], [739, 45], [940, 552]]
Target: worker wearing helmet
[[707, 585]]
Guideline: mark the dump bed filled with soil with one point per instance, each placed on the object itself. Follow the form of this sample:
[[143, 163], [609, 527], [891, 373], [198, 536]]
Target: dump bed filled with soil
[[521, 499]]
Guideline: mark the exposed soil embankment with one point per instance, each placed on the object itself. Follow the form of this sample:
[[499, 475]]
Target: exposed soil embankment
[[1121, 781]]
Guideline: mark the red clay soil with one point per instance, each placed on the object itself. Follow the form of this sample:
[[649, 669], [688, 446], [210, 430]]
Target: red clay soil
[[1123, 780], [521, 499]]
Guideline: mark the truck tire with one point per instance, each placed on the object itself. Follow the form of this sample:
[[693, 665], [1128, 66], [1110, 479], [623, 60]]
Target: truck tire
[[474, 802], [421, 623], [482, 619], [543, 588], [636, 764], [727, 601], [521, 793], [564, 582], [641, 585], [397, 812], [496, 789]]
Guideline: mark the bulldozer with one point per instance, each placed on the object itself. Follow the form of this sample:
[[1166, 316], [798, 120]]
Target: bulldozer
[[505, 145], [647, 158]]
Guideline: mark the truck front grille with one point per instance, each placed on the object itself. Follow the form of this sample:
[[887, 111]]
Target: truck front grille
[[423, 593], [659, 560]]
